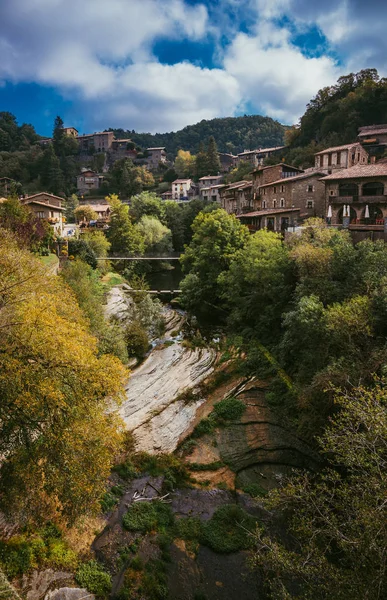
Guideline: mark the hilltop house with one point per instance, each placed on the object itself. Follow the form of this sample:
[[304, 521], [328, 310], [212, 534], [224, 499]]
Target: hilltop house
[[209, 180], [183, 190], [357, 197], [373, 135], [258, 156], [211, 193], [88, 180], [235, 197], [156, 156], [47, 206], [99, 142], [227, 161], [340, 157]]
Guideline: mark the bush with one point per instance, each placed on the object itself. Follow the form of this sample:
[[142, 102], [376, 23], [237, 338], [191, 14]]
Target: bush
[[206, 425], [82, 249], [126, 470], [229, 409], [16, 556], [214, 466], [148, 516], [227, 531], [60, 556], [254, 490], [94, 578], [108, 502], [136, 340], [190, 529]]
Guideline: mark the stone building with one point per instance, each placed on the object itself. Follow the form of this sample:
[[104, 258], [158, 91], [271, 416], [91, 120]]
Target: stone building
[[264, 175], [341, 157], [305, 191], [357, 197], [98, 142], [211, 193], [372, 135], [88, 180], [47, 206], [237, 197], [156, 156], [258, 156], [210, 180], [227, 162], [71, 131]]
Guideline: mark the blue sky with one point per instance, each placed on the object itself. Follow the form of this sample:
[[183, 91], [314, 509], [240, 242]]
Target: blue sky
[[158, 65]]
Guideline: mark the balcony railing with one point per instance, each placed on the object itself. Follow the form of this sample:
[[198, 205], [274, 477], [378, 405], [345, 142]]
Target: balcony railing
[[360, 199]]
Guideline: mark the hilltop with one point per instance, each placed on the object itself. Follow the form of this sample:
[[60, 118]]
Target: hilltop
[[232, 134]]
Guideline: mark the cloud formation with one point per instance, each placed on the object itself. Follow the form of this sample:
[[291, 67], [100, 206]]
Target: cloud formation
[[100, 54]]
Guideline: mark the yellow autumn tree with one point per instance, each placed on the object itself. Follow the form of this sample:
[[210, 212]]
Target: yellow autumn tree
[[58, 437]]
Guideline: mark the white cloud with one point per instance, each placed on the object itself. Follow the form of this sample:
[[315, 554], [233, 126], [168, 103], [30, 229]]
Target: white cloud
[[274, 75]]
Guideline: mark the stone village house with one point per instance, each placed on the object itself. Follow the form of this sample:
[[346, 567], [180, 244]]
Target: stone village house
[[47, 206], [340, 157]]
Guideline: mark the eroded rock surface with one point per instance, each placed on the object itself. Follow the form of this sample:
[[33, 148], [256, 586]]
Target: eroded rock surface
[[151, 409], [67, 593]]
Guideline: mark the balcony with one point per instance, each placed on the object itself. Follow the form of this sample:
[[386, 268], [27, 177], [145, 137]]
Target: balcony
[[358, 199]]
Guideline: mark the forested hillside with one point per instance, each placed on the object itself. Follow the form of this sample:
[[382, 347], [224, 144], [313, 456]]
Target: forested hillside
[[232, 134], [334, 115]]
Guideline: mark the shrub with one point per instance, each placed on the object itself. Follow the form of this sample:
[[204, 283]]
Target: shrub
[[206, 425], [190, 529], [126, 470], [254, 490], [228, 530], [94, 578], [82, 249], [16, 556], [229, 409], [136, 340], [148, 516], [108, 501], [214, 466], [60, 556]]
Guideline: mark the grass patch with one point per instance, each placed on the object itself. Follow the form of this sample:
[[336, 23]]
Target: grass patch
[[148, 516], [94, 578], [126, 470], [154, 582], [255, 490], [224, 412], [46, 548], [111, 279], [50, 260]]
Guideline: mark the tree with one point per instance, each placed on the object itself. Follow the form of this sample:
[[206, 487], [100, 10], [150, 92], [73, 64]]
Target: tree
[[157, 237], [213, 162], [71, 203], [128, 179], [201, 166], [184, 164], [147, 203], [58, 136], [258, 287], [122, 234], [50, 171], [337, 517], [57, 438], [30, 231], [85, 213], [217, 236]]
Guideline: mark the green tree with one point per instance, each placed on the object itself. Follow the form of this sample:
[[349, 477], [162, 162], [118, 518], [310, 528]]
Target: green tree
[[157, 237], [184, 164], [85, 213], [71, 203], [51, 173], [122, 234], [217, 236], [336, 518], [213, 162], [201, 166], [149, 204], [58, 136]]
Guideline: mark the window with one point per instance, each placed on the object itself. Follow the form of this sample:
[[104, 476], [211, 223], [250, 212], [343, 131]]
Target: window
[[51, 213], [282, 202], [310, 189], [264, 191], [338, 160], [329, 160], [274, 203], [263, 203], [309, 204], [40, 214], [275, 189], [331, 192]]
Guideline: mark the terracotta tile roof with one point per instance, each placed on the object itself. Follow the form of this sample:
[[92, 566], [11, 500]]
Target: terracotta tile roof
[[160, 148], [239, 184], [377, 170], [295, 178], [210, 177], [41, 203], [370, 132], [181, 181], [337, 148], [44, 194], [267, 211], [278, 165]]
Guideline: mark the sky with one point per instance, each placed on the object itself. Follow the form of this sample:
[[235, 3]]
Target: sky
[[159, 65]]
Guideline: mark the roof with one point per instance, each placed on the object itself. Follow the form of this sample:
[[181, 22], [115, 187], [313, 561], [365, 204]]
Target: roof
[[377, 170], [238, 184], [100, 207], [181, 181], [160, 148], [96, 133], [337, 148], [46, 204], [261, 150], [210, 177], [268, 211], [44, 194], [372, 130], [295, 178], [277, 165]]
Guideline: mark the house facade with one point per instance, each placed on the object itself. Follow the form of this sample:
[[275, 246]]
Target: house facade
[[183, 190], [257, 157], [373, 135], [236, 197], [357, 197], [227, 161], [305, 192], [47, 206], [341, 157], [156, 156], [210, 180], [99, 142], [88, 180], [211, 193]]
